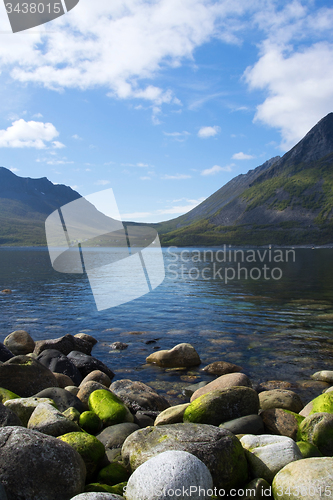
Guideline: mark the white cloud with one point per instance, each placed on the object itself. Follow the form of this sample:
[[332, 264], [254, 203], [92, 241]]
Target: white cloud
[[216, 169], [140, 164], [22, 134], [145, 178], [14, 169], [102, 182], [206, 132], [175, 177], [242, 156], [178, 136], [77, 137], [174, 210], [37, 115], [58, 145]]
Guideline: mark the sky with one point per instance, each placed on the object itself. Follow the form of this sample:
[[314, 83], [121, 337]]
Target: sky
[[164, 101]]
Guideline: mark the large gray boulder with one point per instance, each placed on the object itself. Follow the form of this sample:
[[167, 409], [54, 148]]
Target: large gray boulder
[[19, 342], [63, 399], [34, 466], [50, 421], [138, 396], [217, 448], [64, 344], [86, 364], [114, 436]]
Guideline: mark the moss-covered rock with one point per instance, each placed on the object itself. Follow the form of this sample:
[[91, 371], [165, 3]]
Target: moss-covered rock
[[24, 407], [222, 405], [90, 422], [113, 474], [308, 450], [118, 489], [317, 429], [323, 403], [5, 395], [91, 450], [72, 413], [109, 408]]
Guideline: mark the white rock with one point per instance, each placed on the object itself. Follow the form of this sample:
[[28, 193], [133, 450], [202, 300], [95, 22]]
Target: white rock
[[268, 454], [170, 474], [323, 376], [97, 496]]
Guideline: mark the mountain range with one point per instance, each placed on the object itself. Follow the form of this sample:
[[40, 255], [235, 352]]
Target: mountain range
[[287, 200]]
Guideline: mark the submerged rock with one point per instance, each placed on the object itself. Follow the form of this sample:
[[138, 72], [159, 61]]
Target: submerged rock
[[221, 368], [180, 355]]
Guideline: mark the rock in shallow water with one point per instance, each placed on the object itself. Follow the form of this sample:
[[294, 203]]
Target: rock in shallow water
[[223, 382], [221, 368], [170, 474], [34, 466], [219, 449], [182, 355], [86, 364]]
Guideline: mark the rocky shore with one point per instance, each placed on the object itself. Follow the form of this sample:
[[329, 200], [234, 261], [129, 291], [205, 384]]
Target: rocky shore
[[67, 431]]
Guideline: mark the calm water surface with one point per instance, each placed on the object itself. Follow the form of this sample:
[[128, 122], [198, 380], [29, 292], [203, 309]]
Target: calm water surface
[[277, 327]]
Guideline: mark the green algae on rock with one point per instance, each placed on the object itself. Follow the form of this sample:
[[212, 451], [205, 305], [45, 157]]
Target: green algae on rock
[[90, 449], [109, 408]]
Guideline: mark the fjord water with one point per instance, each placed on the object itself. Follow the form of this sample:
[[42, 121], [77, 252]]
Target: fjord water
[[276, 326]]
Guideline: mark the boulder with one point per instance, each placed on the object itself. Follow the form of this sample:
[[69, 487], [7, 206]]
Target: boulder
[[48, 420], [25, 376], [64, 344], [172, 415], [171, 471], [317, 429], [110, 409], [118, 346], [87, 338], [323, 376], [223, 382], [182, 355], [221, 368], [34, 466], [308, 450], [323, 403], [24, 407], [220, 406], [86, 389], [72, 389], [90, 422], [280, 398], [19, 342], [56, 361], [97, 496], [62, 398], [5, 353], [218, 448], [267, 454], [138, 396], [91, 450], [5, 394], [308, 479], [250, 424], [281, 422], [8, 417], [63, 380], [114, 436], [97, 376], [86, 364]]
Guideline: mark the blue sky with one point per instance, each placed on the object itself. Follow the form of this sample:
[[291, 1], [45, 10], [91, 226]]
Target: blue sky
[[162, 100]]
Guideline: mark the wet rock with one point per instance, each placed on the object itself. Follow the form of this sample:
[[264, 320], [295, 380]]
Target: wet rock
[[56, 361], [281, 422], [324, 376], [219, 449], [276, 384], [19, 342], [267, 454], [221, 368], [34, 466], [180, 355], [220, 406], [97, 376], [317, 429], [88, 338], [48, 420], [24, 407], [62, 398], [323, 403], [88, 388], [280, 398], [190, 389], [6, 291], [5, 353], [223, 382], [114, 436], [312, 477], [172, 415], [25, 376], [171, 470], [64, 344], [138, 396], [8, 417], [86, 364], [118, 346], [250, 424], [109, 408]]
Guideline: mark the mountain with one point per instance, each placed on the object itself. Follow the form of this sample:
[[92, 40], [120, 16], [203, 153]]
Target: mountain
[[286, 200], [25, 204]]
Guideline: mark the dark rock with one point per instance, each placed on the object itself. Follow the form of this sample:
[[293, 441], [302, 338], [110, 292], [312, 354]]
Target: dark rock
[[189, 390], [143, 420], [97, 376], [87, 338], [62, 398], [250, 424], [63, 380], [19, 342], [56, 361], [34, 466], [221, 368], [25, 376], [217, 448], [5, 353], [114, 436], [64, 344], [86, 364], [119, 346], [138, 396], [8, 417], [280, 422]]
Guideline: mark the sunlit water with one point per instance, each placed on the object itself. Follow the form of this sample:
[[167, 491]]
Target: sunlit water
[[277, 327]]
